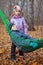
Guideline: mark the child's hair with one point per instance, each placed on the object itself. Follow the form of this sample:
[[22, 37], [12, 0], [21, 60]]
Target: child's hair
[[14, 9], [16, 6]]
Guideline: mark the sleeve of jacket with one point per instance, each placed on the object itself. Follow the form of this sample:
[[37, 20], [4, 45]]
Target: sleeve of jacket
[[10, 23], [24, 26]]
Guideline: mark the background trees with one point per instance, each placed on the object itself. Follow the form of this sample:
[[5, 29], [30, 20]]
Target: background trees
[[32, 10]]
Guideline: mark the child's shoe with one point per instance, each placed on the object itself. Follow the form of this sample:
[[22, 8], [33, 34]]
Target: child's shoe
[[21, 53], [13, 58]]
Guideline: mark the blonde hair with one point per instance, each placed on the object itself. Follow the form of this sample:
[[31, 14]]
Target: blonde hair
[[14, 9]]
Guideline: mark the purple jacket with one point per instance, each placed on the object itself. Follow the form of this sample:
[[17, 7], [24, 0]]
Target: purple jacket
[[20, 23]]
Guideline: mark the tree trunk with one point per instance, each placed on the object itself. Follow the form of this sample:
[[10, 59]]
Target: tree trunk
[[38, 15], [31, 15]]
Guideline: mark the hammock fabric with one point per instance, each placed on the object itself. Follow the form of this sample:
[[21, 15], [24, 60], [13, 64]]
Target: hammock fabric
[[23, 43]]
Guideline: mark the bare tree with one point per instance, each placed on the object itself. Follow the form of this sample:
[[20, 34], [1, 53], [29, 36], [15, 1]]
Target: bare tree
[[31, 15], [39, 12]]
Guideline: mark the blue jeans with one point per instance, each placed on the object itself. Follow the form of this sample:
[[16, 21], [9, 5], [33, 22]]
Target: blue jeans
[[13, 49], [21, 34]]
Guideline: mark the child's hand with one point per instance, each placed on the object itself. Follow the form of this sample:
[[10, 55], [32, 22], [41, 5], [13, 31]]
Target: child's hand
[[13, 27]]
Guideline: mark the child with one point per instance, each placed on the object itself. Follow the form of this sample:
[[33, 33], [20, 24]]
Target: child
[[17, 22]]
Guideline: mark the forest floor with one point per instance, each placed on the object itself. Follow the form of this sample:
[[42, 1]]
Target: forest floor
[[33, 58]]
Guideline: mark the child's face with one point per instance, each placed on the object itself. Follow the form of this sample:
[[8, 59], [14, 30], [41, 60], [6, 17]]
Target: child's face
[[17, 12]]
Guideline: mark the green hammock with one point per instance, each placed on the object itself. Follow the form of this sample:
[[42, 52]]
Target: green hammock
[[26, 45]]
